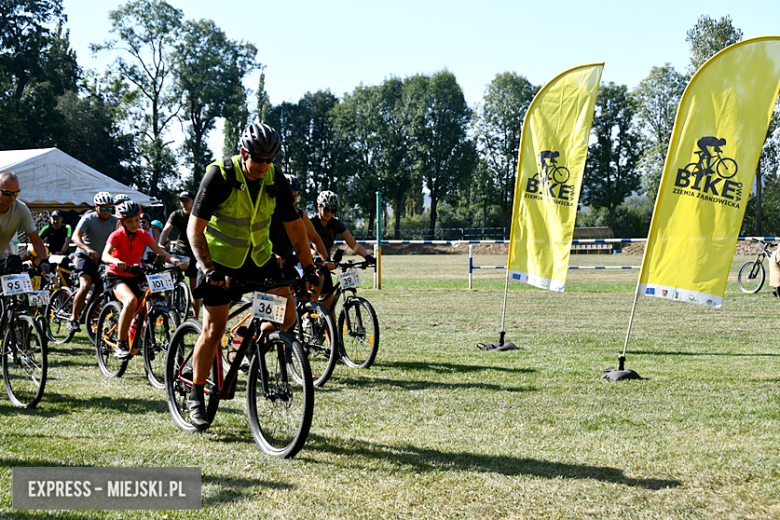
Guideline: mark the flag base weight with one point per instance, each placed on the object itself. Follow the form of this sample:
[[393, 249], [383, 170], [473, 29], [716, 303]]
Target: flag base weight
[[501, 345], [621, 373]]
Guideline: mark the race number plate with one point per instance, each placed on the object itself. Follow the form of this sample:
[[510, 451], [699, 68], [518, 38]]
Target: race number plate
[[268, 307], [349, 279], [16, 284], [38, 298], [160, 282]]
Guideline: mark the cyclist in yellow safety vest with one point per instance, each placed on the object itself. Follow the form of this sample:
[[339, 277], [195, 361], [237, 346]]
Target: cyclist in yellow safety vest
[[228, 230]]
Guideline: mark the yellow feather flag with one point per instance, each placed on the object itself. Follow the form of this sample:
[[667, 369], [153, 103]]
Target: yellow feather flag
[[718, 134], [553, 149]]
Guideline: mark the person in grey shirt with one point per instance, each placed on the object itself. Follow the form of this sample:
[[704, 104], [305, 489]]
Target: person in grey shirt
[[90, 237], [15, 216]]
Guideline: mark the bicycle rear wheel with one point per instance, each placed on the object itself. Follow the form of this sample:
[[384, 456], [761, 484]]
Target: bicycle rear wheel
[[162, 323], [25, 362], [359, 333], [106, 341], [320, 342], [279, 409], [751, 277], [178, 376], [58, 313]]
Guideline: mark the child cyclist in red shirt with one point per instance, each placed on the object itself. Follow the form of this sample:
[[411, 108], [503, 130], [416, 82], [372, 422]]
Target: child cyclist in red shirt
[[124, 248]]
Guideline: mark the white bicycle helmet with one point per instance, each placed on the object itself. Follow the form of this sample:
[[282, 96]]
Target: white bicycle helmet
[[328, 198], [103, 198]]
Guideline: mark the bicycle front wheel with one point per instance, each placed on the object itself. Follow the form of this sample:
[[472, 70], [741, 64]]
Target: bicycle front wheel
[[320, 342], [359, 328], [751, 277], [162, 323], [106, 341], [25, 362], [178, 376], [279, 409], [181, 300], [58, 314], [91, 316]]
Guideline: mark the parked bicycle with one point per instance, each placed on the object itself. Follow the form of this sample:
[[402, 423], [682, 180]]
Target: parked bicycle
[[279, 405], [24, 348], [150, 331], [357, 321], [752, 274]]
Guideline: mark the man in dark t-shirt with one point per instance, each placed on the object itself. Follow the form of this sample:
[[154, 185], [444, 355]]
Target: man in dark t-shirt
[[56, 235], [229, 237], [178, 221]]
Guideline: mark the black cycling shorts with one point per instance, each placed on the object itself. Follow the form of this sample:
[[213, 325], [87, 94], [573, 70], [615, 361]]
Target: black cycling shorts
[[85, 265], [133, 282], [214, 296]]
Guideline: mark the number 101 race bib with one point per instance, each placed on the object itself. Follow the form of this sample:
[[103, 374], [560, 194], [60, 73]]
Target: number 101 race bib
[[268, 307], [160, 282]]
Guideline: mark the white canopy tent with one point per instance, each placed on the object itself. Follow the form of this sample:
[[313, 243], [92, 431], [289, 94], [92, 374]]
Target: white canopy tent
[[51, 179]]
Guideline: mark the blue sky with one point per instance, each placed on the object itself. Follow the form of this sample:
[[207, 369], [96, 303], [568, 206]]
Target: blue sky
[[337, 45]]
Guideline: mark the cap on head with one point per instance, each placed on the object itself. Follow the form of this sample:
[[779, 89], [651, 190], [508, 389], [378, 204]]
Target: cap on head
[[186, 194], [56, 213]]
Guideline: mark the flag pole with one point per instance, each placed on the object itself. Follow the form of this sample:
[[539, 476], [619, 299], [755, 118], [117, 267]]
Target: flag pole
[[622, 373], [503, 312]]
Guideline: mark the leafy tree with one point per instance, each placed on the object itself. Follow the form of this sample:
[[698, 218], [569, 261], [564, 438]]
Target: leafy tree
[[611, 173], [355, 125], [236, 119], [658, 97], [498, 126], [710, 36], [444, 154], [318, 140], [210, 68], [148, 32], [263, 101]]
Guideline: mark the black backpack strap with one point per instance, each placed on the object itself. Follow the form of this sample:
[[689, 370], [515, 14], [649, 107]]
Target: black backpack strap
[[230, 174]]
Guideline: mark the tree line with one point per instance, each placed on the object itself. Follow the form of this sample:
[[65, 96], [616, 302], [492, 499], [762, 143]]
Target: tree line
[[412, 138]]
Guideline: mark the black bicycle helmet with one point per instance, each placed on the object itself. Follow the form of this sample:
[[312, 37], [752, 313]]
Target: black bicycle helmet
[[128, 209], [103, 198], [295, 182], [261, 140]]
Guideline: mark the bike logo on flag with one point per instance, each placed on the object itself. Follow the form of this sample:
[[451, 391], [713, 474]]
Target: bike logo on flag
[[550, 181], [709, 178]]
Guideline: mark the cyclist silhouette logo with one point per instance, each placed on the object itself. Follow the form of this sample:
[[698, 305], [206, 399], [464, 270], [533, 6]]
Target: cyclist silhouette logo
[[558, 174], [712, 163]]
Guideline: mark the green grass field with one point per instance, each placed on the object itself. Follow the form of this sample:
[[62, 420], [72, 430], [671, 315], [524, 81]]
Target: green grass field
[[439, 429]]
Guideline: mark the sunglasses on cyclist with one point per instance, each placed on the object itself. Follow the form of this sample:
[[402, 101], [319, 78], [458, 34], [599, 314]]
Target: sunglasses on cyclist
[[110, 208], [11, 193], [261, 160], [327, 209]]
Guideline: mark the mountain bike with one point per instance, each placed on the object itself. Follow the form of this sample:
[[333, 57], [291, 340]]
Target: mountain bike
[[24, 347], [150, 330], [752, 274], [357, 320], [279, 406]]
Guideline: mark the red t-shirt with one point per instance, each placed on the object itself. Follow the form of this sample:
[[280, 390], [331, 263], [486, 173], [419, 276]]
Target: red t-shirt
[[126, 250]]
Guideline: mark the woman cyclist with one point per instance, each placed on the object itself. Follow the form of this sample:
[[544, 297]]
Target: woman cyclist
[[124, 248], [327, 226]]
